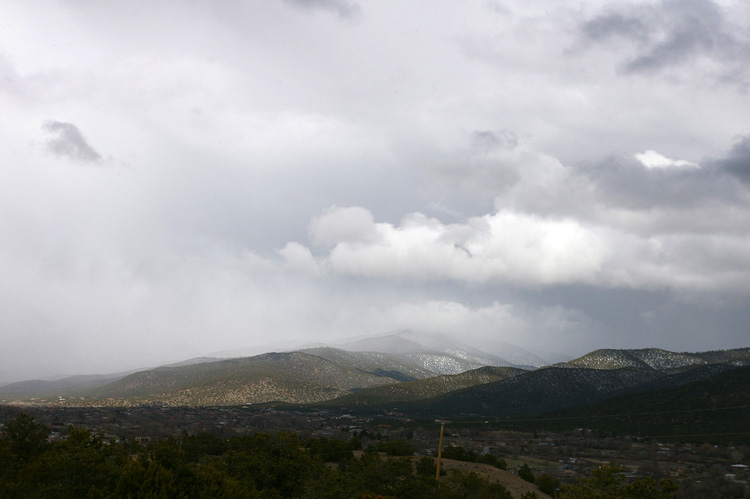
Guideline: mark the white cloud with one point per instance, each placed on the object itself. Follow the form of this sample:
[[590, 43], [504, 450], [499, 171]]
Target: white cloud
[[299, 258], [652, 159], [505, 247], [337, 225], [530, 251]]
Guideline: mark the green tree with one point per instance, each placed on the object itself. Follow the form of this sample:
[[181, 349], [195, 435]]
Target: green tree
[[81, 465], [212, 482], [143, 479], [398, 447], [26, 437], [331, 451], [393, 477], [525, 472], [355, 444]]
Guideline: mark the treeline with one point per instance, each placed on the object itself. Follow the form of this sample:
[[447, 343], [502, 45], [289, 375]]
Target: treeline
[[85, 465]]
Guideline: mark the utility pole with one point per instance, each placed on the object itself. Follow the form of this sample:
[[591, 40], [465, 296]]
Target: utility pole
[[440, 451]]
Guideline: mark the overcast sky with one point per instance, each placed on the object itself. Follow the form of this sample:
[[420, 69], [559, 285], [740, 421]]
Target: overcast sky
[[180, 178]]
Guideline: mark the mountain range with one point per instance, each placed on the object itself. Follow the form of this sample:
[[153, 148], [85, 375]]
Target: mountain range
[[296, 376], [414, 373]]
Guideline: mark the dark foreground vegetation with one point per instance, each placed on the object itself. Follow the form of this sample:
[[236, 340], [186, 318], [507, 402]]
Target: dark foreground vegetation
[[86, 465], [256, 466]]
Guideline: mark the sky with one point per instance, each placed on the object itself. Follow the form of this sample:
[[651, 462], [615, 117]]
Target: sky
[[180, 178]]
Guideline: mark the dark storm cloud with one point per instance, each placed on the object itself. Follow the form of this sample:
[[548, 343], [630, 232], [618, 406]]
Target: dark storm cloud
[[625, 182], [69, 142], [343, 8], [672, 33], [612, 24], [737, 161], [648, 316], [691, 28]]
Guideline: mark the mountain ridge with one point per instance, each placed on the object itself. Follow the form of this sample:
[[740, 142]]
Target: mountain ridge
[[656, 358], [421, 381]]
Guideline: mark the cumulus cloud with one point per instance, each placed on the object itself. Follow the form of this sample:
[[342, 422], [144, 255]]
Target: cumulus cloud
[[504, 246], [640, 235], [639, 221], [530, 251], [494, 168], [69, 142], [349, 225], [299, 258]]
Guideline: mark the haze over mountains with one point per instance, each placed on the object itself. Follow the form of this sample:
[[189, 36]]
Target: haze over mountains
[[411, 342], [410, 372], [395, 357]]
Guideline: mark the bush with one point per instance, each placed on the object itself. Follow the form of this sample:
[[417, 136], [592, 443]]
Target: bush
[[547, 484], [608, 481], [460, 454], [427, 466], [397, 448]]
